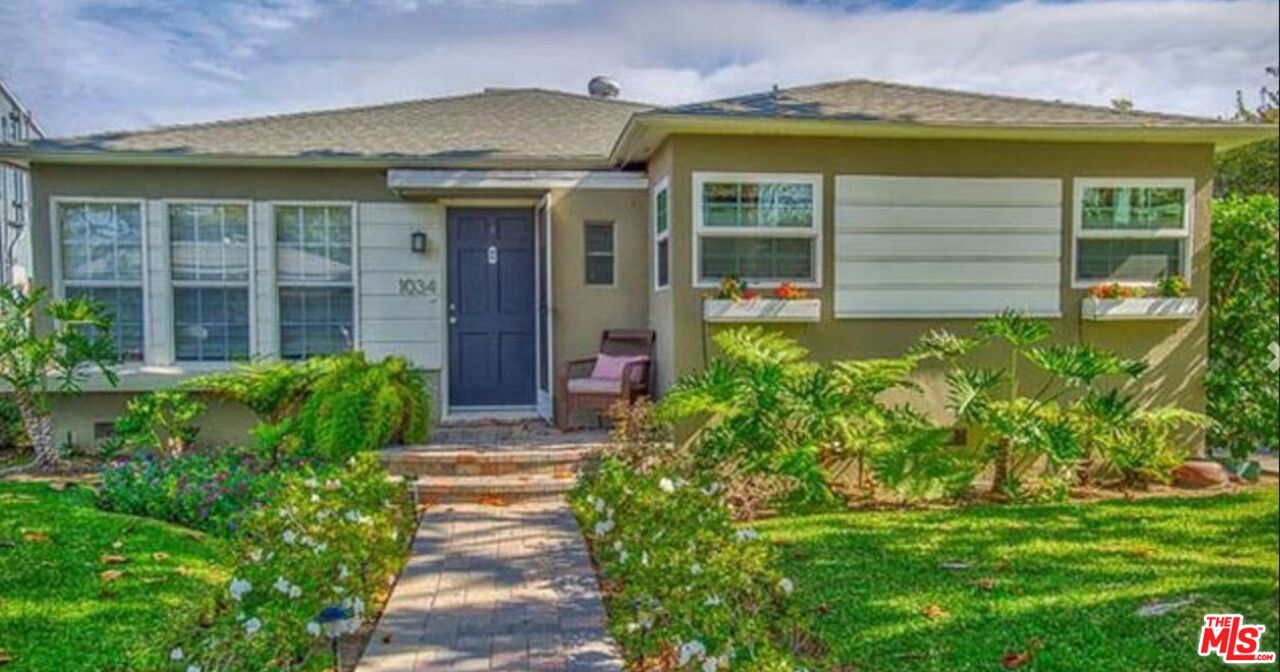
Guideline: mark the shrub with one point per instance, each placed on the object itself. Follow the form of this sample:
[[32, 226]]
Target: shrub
[[161, 421], [330, 537], [685, 589], [206, 492], [12, 433], [1243, 394], [1134, 445]]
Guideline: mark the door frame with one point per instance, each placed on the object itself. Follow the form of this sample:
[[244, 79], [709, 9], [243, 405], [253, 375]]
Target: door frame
[[544, 400], [447, 410]]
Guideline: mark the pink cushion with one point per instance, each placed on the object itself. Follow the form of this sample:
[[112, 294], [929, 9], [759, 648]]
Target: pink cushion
[[609, 367]]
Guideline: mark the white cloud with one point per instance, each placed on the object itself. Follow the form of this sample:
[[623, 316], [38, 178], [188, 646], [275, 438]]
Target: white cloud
[[91, 68]]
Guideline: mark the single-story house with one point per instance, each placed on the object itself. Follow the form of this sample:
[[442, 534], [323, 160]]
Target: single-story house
[[491, 237]]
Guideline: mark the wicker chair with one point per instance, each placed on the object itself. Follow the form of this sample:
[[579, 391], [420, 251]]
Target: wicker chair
[[577, 390]]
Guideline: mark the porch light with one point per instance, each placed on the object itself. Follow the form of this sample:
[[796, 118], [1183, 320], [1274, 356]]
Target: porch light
[[418, 242]]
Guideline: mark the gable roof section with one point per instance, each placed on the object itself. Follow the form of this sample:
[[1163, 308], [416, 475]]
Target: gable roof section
[[498, 127]]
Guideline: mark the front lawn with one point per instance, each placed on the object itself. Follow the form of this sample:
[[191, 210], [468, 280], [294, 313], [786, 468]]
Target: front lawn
[[1046, 587], [58, 611]]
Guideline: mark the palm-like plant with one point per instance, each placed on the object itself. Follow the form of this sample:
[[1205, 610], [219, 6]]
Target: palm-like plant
[[1131, 443]]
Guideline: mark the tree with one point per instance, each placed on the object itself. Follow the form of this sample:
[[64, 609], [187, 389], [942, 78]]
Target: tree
[[1253, 168], [31, 359]]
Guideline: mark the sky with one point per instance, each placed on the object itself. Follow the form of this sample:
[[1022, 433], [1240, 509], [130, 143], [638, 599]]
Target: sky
[[85, 66]]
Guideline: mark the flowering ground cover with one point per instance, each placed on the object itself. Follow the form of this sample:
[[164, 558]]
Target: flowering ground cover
[[83, 589], [1046, 587]]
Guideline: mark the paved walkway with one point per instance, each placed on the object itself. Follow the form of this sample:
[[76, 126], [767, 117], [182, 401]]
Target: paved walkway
[[494, 588]]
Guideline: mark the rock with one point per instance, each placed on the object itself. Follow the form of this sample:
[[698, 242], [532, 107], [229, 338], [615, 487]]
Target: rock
[[1201, 474]]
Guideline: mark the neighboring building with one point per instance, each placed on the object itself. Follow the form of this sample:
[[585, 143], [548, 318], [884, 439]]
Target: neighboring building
[[550, 216], [16, 126]]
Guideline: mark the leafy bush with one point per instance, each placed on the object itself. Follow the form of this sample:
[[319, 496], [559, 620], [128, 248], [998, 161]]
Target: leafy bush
[[12, 433], [331, 537], [684, 588], [1131, 444], [161, 421], [206, 492], [1243, 394], [327, 407]]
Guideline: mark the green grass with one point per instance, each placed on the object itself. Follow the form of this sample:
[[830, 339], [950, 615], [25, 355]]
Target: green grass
[[56, 613], [1065, 580]]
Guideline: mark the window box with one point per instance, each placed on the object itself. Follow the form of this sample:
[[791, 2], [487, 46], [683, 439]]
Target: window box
[[1115, 310], [761, 310]]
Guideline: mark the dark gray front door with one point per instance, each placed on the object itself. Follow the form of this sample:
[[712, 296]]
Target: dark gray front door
[[491, 307]]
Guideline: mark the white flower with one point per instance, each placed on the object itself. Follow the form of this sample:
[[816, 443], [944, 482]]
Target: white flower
[[281, 585], [289, 536], [691, 650], [604, 527], [746, 534], [313, 629], [357, 606], [622, 557], [696, 569], [713, 601], [343, 572], [255, 554], [252, 626], [295, 592], [193, 668], [786, 586], [667, 486], [315, 498], [312, 482], [710, 665], [177, 654], [239, 587]]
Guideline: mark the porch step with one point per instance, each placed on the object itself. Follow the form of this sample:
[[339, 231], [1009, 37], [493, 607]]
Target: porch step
[[493, 490], [437, 460]]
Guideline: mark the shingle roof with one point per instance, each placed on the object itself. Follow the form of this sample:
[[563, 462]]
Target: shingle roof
[[884, 102], [497, 124]]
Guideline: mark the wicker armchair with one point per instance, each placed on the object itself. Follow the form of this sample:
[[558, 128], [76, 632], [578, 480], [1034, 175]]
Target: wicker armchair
[[578, 390]]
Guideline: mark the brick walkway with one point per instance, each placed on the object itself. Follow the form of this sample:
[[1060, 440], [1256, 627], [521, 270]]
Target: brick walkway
[[494, 588]]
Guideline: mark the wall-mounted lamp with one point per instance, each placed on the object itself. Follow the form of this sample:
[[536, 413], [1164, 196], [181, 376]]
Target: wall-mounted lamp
[[418, 242]]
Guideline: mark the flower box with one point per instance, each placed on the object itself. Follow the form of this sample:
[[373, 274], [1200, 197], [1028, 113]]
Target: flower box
[[761, 310], [1114, 310]]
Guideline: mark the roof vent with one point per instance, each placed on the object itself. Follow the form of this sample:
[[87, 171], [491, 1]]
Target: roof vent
[[603, 87]]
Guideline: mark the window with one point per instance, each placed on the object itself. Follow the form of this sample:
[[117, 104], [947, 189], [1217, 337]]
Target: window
[[101, 254], [1132, 231], [765, 229], [210, 258], [598, 246], [661, 236], [316, 279]]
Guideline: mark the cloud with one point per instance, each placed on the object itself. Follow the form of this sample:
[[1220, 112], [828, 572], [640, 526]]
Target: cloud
[[123, 63]]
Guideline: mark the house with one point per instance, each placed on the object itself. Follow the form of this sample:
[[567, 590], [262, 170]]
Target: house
[[16, 126], [492, 237]]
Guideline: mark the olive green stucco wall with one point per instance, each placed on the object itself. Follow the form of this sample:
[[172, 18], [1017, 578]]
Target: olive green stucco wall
[[1177, 351]]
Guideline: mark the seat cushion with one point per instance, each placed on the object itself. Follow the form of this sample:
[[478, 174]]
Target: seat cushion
[[609, 367], [595, 385]]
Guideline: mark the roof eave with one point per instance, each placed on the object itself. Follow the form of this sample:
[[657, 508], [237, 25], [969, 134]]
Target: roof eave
[[31, 155], [644, 133]]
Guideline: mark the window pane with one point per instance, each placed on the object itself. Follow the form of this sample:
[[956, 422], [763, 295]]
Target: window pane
[[757, 205], [664, 263], [757, 258], [101, 241], [211, 323], [599, 238], [315, 321], [124, 305], [660, 212], [1128, 260], [599, 270], [1133, 208], [313, 243], [209, 242]]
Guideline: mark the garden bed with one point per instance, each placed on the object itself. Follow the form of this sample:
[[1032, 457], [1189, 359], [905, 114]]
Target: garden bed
[[1042, 587]]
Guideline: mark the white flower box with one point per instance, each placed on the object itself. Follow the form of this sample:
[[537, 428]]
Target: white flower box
[[761, 310], [1114, 310]]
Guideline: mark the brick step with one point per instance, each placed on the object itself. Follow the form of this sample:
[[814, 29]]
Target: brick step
[[491, 489], [433, 461]]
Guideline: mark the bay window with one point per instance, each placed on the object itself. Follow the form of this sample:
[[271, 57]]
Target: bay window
[[101, 258], [209, 246], [1132, 230], [764, 229], [315, 277]]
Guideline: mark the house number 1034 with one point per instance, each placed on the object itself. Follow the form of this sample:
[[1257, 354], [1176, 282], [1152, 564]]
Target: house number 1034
[[417, 287]]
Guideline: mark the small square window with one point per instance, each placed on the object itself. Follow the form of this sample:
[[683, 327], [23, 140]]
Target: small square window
[[598, 246]]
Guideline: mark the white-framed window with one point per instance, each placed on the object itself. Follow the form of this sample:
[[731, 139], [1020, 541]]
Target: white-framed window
[[100, 255], [210, 245], [598, 251], [763, 228], [315, 276], [661, 197], [1132, 231]]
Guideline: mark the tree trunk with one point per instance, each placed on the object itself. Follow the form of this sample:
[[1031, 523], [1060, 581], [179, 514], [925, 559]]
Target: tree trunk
[[1001, 476], [39, 426]]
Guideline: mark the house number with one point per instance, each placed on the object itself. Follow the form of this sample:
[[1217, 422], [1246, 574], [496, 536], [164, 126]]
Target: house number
[[417, 287]]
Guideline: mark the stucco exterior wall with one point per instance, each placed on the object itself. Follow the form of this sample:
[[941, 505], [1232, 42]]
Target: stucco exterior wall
[[661, 306], [1176, 350]]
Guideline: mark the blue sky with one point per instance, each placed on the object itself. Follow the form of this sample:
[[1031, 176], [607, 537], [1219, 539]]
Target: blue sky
[[118, 64]]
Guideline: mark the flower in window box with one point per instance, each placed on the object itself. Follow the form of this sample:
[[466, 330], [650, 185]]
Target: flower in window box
[[1115, 290], [789, 292], [1172, 286], [733, 289]]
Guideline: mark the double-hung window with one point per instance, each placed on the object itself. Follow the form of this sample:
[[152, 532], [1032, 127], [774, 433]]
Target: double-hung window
[[765, 229], [315, 275], [209, 246], [1132, 230], [101, 259], [661, 236]]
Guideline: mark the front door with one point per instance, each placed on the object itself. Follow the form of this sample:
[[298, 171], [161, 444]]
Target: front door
[[492, 347]]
